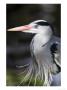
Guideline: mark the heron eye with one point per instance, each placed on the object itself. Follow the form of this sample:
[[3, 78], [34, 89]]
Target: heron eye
[[36, 26]]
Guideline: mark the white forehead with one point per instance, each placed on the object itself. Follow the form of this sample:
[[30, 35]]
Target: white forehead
[[34, 22]]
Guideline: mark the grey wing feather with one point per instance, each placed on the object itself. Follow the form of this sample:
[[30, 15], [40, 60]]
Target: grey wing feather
[[57, 60], [57, 55], [56, 80]]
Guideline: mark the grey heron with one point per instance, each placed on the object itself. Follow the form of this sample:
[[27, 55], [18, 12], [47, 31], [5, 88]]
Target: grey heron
[[45, 52]]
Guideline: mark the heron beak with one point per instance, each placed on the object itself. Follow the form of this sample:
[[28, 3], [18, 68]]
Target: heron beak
[[21, 28]]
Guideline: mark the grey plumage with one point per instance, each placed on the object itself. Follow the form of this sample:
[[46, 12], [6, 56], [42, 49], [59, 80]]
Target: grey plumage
[[56, 68], [45, 52]]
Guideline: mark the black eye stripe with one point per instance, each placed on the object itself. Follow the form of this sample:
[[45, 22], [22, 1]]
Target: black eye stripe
[[43, 23]]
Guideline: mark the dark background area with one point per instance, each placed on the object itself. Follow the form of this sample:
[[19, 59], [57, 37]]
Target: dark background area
[[21, 14], [17, 43]]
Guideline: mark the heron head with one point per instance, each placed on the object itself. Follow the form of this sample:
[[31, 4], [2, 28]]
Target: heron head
[[38, 26]]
